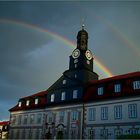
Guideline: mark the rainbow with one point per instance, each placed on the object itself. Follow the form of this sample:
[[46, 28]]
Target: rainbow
[[124, 38], [99, 65]]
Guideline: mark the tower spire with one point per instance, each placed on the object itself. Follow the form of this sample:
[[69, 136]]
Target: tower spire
[[83, 25]]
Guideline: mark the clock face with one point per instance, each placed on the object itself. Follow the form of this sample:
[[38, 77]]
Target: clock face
[[88, 55], [76, 53]]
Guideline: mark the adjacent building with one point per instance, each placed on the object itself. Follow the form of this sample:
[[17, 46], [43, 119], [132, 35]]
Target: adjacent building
[[4, 128], [79, 105]]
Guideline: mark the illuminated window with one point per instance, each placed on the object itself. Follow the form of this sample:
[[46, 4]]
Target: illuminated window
[[19, 104], [63, 96], [117, 88], [75, 94], [136, 84], [100, 91], [52, 98], [75, 75], [27, 103], [64, 82], [36, 101]]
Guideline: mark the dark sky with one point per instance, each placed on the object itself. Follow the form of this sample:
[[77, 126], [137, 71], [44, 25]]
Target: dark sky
[[32, 60]]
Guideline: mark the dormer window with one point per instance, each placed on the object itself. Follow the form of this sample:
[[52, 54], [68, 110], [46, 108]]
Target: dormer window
[[136, 84], [19, 104], [52, 98], [27, 102], [64, 82], [100, 90], [36, 101], [117, 88], [63, 96], [75, 94]]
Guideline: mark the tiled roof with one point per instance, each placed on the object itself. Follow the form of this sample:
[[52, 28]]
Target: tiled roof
[[108, 85], [90, 93], [115, 78], [4, 123], [41, 104]]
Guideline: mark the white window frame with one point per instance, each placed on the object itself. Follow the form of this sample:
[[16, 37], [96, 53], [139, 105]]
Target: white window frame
[[52, 97], [74, 115], [136, 84], [132, 111], [100, 91], [118, 112], [104, 113], [117, 88], [91, 114], [63, 96], [75, 94]]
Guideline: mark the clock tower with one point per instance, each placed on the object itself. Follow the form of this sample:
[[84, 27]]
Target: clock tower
[[81, 60]]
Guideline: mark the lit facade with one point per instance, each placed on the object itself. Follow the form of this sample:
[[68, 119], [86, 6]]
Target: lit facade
[[79, 105]]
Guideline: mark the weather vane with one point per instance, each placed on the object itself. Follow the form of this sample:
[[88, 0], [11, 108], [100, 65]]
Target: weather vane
[[83, 25]]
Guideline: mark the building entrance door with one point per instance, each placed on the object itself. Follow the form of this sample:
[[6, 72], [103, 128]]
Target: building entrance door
[[60, 135]]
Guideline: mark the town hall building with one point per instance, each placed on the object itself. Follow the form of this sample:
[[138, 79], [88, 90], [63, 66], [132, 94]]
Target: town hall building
[[79, 105]]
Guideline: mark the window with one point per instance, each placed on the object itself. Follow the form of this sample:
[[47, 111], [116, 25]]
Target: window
[[133, 131], [63, 96], [25, 119], [74, 115], [62, 115], [13, 119], [132, 110], [104, 133], [19, 119], [52, 98], [32, 118], [75, 65], [64, 82], [27, 103], [104, 113], [136, 84], [75, 75], [19, 104], [39, 116], [36, 101], [118, 112], [118, 132], [91, 134], [75, 94], [117, 88], [91, 114], [100, 91], [76, 60]]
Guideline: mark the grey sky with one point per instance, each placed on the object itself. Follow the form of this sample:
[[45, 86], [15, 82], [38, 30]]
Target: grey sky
[[30, 61]]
